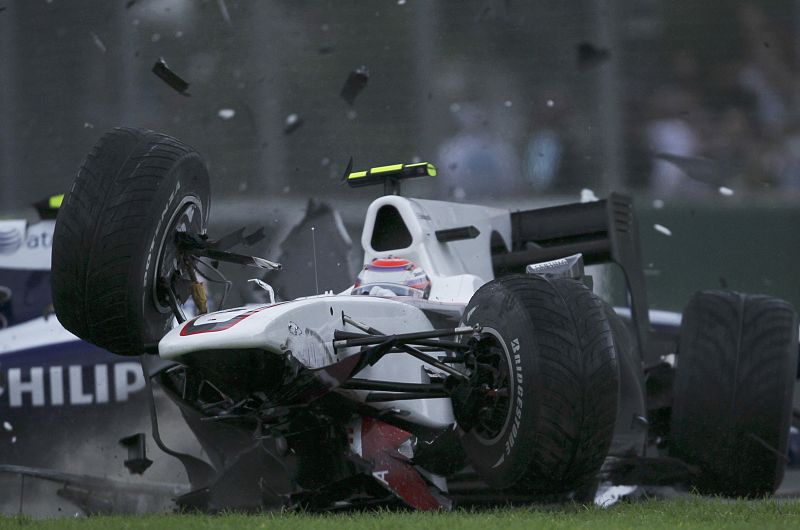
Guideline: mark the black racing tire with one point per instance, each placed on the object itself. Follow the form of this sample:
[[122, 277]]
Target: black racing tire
[[733, 390], [135, 189], [553, 432]]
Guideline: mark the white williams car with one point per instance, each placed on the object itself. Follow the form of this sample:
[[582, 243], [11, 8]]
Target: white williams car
[[470, 361]]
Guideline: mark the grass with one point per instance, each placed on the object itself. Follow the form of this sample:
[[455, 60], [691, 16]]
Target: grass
[[694, 512]]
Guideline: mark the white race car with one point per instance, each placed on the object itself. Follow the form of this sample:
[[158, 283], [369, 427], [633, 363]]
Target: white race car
[[470, 361]]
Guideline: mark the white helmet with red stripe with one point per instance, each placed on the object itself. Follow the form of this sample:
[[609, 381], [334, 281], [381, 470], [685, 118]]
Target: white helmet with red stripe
[[392, 277]]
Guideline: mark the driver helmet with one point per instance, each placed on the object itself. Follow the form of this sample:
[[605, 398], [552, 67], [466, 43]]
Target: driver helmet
[[392, 277]]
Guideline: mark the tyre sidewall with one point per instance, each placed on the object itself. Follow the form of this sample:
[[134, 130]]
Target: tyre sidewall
[[506, 458], [186, 182]]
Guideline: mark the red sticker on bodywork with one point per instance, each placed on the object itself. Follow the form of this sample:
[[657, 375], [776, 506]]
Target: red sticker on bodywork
[[380, 444], [193, 329]]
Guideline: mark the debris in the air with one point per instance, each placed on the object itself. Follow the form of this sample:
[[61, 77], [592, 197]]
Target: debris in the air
[[658, 204], [550, 102], [455, 107], [590, 55], [243, 186], [226, 114], [293, 122], [169, 77], [13, 439], [663, 229], [286, 189], [697, 167], [98, 42], [508, 103], [155, 37], [401, 2], [725, 191], [223, 9], [355, 83], [352, 114], [347, 170], [588, 195], [7, 426], [324, 50], [87, 125], [178, 34], [325, 161], [135, 22]]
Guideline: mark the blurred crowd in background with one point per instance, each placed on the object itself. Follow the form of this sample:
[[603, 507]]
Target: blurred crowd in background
[[722, 111], [508, 98]]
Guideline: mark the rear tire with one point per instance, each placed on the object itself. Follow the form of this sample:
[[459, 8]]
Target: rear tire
[[116, 226], [733, 390], [553, 432]]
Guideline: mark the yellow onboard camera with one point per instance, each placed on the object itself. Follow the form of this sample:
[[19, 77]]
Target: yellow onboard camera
[[390, 176]]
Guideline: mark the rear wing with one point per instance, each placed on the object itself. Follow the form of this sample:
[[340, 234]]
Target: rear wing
[[603, 231]]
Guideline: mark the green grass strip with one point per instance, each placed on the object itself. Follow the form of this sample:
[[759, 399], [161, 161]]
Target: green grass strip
[[691, 513]]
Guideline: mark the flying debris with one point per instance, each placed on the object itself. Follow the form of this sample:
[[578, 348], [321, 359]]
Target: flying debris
[[7, 426], [226, 114], [658, 204], [590, 56], [348, 170], [98, 42], [355, 83], [169, 77], [223, 9], [663, 229], [588, 195], [723, 190], [293, 122], [697, 167]]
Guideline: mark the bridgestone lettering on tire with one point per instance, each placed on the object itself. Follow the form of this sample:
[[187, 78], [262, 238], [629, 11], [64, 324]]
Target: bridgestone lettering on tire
[[737, 360], [564, 388], [110, 230]]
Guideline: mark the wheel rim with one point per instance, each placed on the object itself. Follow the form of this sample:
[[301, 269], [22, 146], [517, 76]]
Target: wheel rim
[[188, 218], [492, 374]]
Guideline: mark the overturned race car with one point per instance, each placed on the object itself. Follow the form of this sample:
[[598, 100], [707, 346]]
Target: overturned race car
[[470, 362]]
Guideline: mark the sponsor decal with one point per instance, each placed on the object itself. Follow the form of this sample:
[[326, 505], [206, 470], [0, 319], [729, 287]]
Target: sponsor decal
[[381, 476], [10, 241], [217, 322], [62, 385], [517, 415]]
